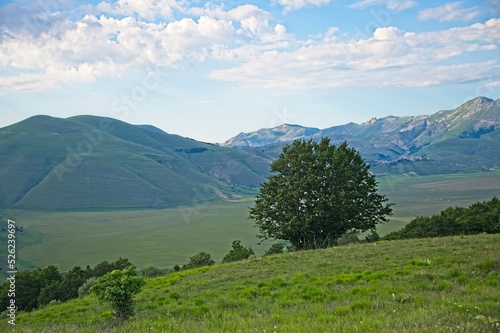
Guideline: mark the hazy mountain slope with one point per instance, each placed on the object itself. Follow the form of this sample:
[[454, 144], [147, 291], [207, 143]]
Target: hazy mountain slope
[[463, 139], [93, 162], [271, 136]]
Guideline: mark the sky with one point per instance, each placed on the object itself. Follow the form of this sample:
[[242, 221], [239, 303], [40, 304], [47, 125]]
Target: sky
[[209, 70]]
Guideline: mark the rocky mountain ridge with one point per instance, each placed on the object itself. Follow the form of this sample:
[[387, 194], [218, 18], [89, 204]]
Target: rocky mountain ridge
[[475, 117], [445, 140]]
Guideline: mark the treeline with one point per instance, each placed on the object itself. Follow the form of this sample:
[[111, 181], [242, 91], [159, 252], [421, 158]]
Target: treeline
[[480, 217], [43, 285]]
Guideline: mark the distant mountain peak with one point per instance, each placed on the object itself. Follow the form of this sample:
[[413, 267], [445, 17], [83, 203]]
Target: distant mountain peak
[[270, 136], [370, 121], [401, 134], [483, 99], [291, 125], [475, 102]]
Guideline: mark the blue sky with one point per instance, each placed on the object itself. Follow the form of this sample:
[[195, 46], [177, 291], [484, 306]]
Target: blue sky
[[211, 69]]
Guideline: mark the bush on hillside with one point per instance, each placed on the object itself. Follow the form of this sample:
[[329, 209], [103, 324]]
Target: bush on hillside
[[276, 248], [118, 288], [477, 218], [84, 289], [43, 286], [151, 271], [238, 252], [199, 260], [373, 236], [349, 237]]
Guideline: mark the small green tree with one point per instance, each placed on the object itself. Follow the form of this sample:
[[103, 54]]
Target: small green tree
[[68, 288], [276, 248], [118, 288], [151, 271], [102, 268], [199, 260], [372, 237], [238, 252], [349, 237], [122, 263]]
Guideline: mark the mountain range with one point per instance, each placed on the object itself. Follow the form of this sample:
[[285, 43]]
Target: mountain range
[[462, 139], [89, 162]]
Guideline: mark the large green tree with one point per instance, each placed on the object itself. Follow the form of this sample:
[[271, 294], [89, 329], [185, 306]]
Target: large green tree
[[317, 192]]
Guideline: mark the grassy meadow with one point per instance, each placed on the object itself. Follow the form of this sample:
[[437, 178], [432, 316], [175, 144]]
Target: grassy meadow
[[165, 237], [160, 237], [449, 284]]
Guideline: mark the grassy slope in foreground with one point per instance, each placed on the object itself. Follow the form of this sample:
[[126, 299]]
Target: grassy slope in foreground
[[446, 284]]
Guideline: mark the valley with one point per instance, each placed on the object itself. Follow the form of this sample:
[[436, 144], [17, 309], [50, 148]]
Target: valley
[[169, 236], [91, 188]]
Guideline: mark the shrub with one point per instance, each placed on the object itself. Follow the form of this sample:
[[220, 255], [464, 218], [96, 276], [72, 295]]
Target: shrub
[[350, 237], [199, 260], [372, 237], [84, 290], [151, 271], [238, 252], [276, 248], [118, 288], [477, 218]]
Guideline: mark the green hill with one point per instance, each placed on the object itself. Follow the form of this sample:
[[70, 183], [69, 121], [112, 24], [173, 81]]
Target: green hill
[[433, 285], [95, 163], [89, 162]]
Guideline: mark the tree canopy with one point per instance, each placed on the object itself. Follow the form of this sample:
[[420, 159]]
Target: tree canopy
[[199, 260], [316, 193]]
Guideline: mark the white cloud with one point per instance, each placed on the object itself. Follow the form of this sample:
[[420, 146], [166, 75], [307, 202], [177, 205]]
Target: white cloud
[[290, 5], [54, 76], [253, 21], [390, 57], [449, 12], [145, 9], [493, 84], [91, 47], [246, 37], [396, 5]]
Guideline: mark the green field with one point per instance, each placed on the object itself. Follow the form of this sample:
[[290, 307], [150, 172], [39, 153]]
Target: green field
[[428, 195], [170, 236], [437, 285], [161, 237]]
